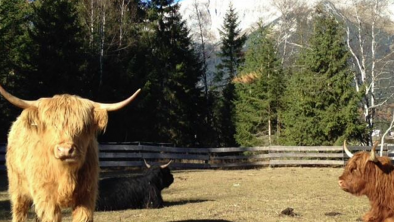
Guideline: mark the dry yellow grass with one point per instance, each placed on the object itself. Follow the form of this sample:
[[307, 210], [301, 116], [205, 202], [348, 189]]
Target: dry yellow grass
[[246, 195]]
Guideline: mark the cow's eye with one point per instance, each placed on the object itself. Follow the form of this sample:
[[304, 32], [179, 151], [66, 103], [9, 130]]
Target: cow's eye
[[353, 170]]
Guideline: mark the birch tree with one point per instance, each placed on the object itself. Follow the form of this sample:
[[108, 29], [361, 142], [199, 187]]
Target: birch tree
[[110, 32], [385, 134], [200, 23], [366, 23], [286, 9]]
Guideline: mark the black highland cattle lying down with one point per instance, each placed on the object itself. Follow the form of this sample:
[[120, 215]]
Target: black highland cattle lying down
[[135, 192]]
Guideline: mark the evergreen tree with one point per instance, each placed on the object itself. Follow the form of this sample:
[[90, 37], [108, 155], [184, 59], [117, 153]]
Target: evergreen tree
[[13, 43], [57, 49], [231, 56], [111, 31], [259, 90], [13, 37], [232, 41], [321, 102], [171, 98]]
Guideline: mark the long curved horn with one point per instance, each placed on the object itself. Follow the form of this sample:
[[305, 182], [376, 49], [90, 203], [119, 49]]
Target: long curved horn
[[166, 165], [146, 164], [116, 106], [16, 101], [373, 157], [348, 153]]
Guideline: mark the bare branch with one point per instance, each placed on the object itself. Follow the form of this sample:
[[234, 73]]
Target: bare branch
[[382, 103], [384, 135]]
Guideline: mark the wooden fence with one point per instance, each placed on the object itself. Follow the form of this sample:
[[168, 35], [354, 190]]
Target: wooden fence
[[132, 155]]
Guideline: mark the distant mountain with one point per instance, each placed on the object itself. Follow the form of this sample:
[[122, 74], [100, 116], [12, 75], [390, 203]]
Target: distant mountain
[[250, 12]]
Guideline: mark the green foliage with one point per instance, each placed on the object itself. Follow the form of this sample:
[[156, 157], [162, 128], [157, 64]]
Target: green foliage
[[258, 101], [14, 40], [111, 34], [171, 97], [231, 56], [321, 103], [56, 50], [232, 41], [13, 37]]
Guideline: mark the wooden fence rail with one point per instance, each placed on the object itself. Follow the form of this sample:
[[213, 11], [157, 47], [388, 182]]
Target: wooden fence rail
[[133, 154]]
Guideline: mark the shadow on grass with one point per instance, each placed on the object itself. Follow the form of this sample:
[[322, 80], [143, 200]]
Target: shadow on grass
[[168, 204], [203, 220], [183, 202]]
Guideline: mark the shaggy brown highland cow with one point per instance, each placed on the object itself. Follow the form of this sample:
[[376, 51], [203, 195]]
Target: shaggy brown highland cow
[[52, 156], [372, 176]]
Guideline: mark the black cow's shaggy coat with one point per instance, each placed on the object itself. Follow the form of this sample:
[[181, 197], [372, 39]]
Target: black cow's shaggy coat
[[134, 192]]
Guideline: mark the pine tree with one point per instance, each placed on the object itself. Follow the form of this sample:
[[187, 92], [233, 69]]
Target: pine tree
[[13, 37], [172, 70], [231, 56], [232, 41], [13, 43], [259, 90], [321, 102], [111, 31], [57, 49]]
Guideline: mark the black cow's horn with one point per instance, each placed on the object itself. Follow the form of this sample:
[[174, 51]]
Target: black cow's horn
[[146, 164], [166, 165], [348, 153]]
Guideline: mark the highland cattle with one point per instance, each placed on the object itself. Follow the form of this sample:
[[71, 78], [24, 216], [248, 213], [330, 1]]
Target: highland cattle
[[52, 155], [372, 176], [139, 192]]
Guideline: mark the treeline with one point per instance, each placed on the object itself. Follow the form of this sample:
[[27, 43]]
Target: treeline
[[105, 50]]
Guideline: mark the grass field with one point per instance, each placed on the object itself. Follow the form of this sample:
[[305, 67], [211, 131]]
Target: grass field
[[255, 195]]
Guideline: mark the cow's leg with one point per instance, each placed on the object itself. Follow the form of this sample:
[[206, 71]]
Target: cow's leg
[[46, 208], [20, 207], [48, 213], [84, 207], [372, 216], [86, 194], [83, 212], [159, 203], [20, 202], [155, 199]]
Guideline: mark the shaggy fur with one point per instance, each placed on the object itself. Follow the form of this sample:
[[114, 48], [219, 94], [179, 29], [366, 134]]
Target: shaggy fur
[[374, 180], [134, 192], [37, 176]]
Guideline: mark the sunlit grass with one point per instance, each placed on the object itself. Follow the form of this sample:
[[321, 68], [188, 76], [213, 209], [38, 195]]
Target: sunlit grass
[[249, 195]]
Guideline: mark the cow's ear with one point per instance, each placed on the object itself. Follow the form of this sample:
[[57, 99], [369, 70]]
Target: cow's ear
[[101, 118], [30, 117]]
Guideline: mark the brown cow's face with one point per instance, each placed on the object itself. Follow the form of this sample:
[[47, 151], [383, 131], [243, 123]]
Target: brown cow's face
[[352, 179], [67, 125]]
